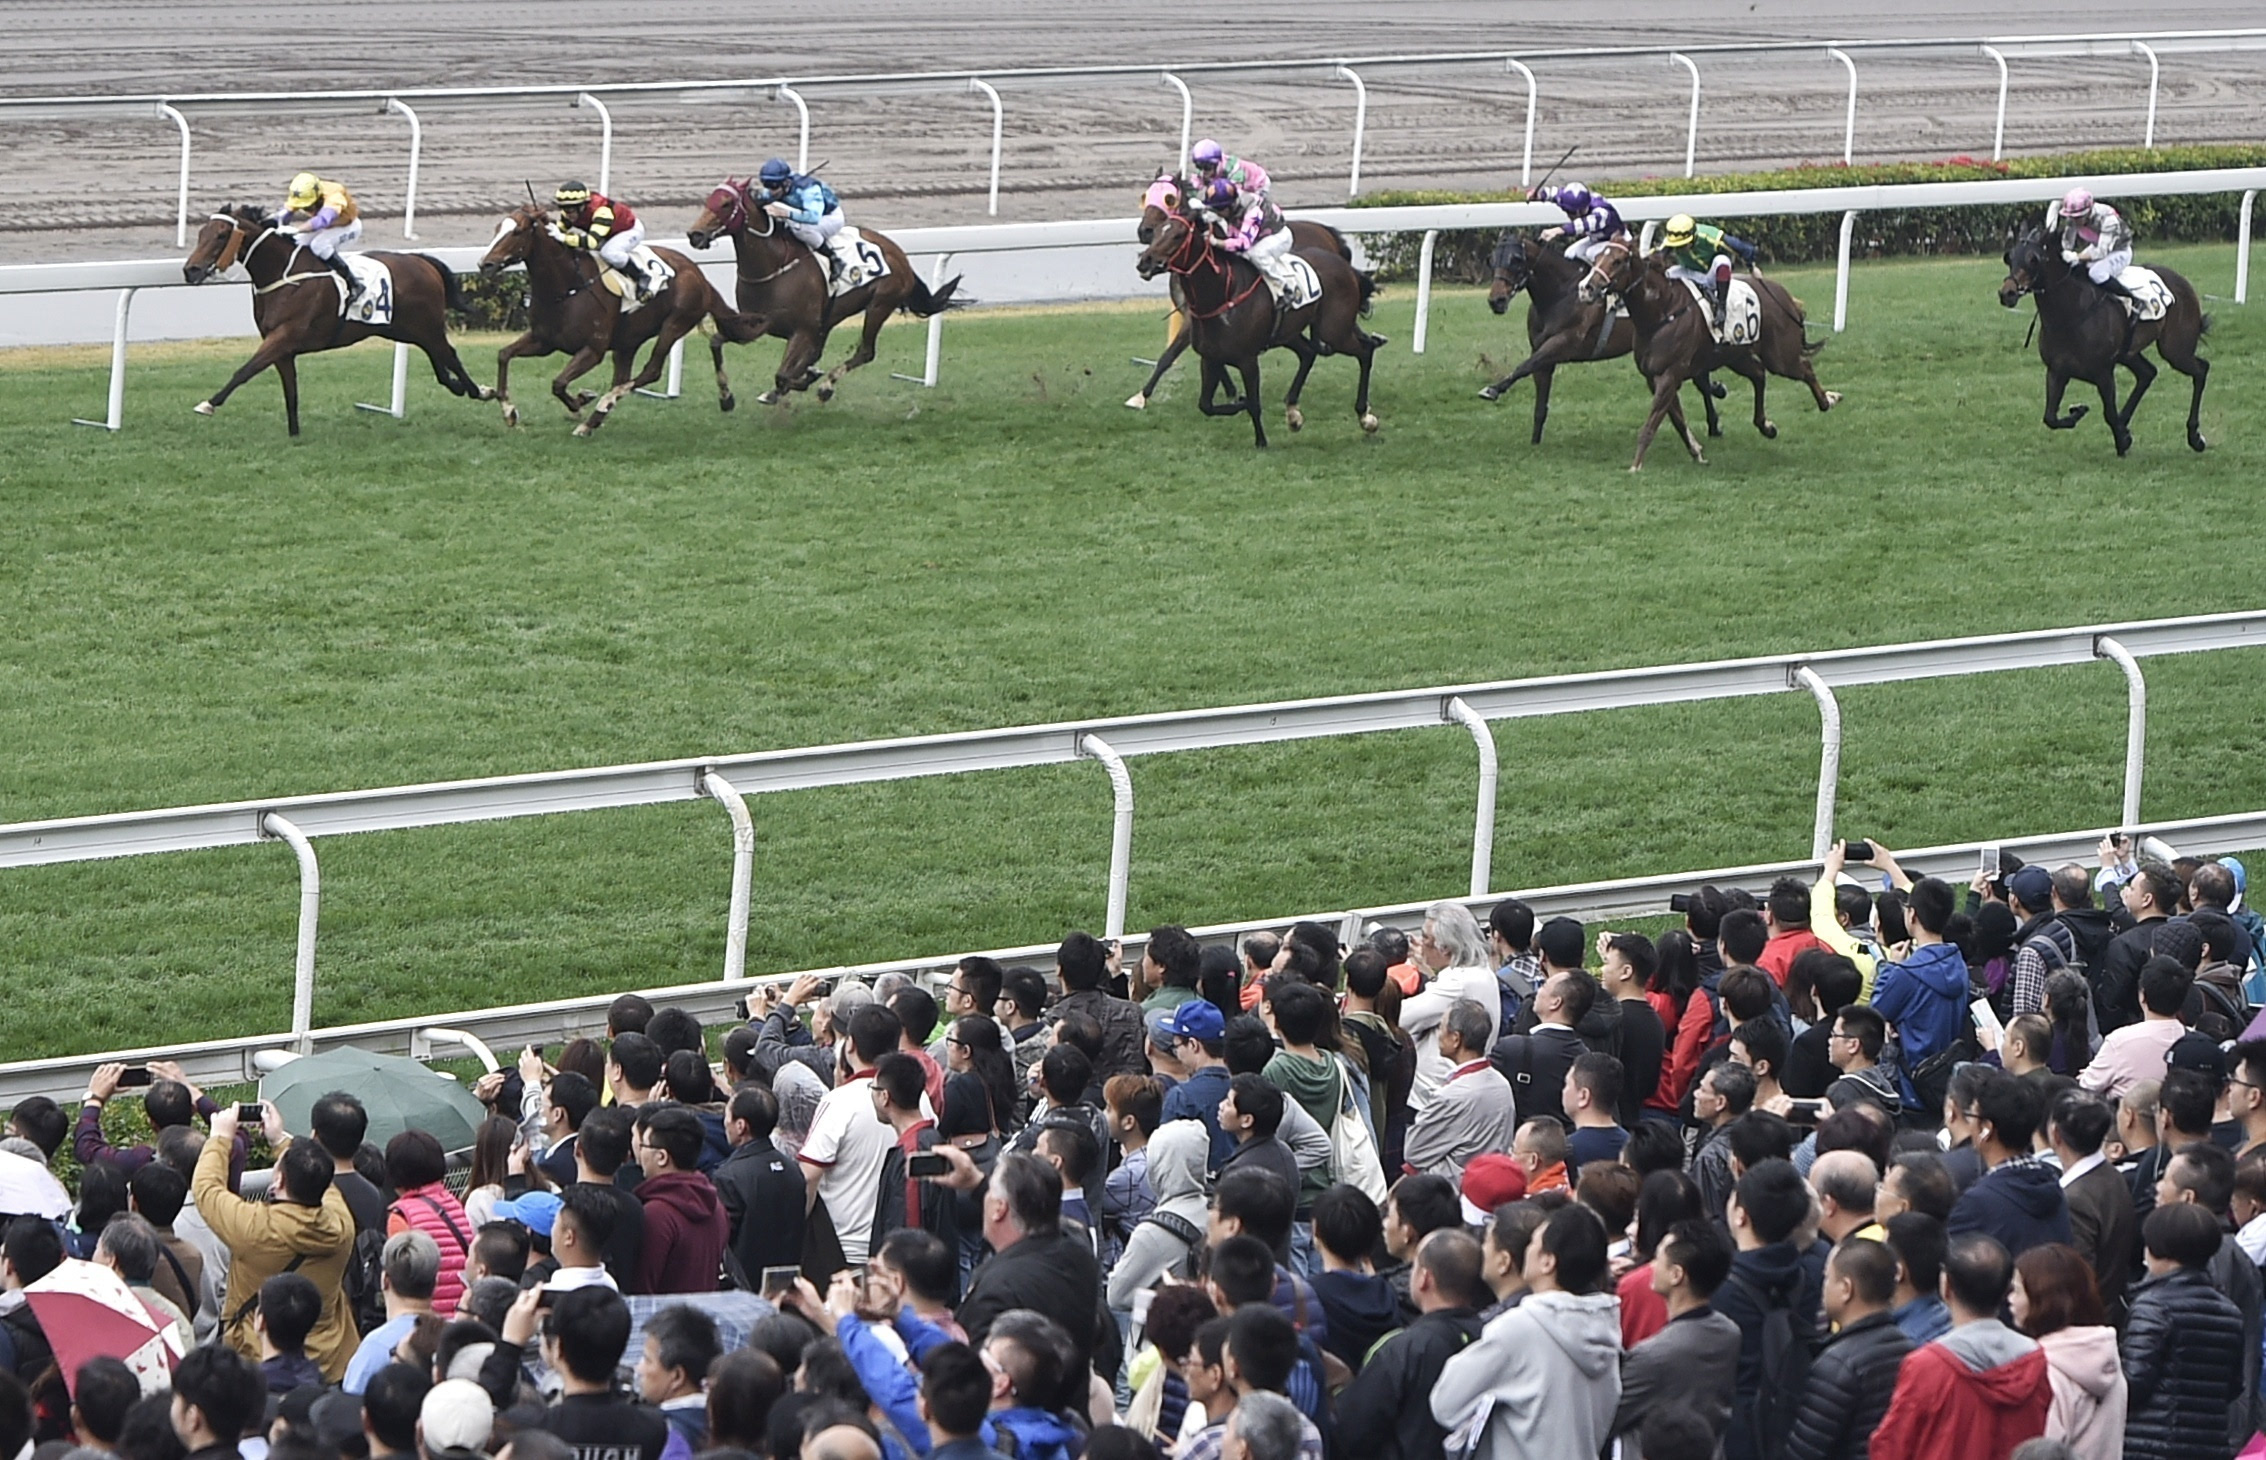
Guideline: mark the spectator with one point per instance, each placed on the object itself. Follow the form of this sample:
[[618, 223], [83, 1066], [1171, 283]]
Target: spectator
[[2054, 1300], [1786, 913], [680, 1344], [1211, 1399], [102, 1393], [1859, 1036], [972, 988], [1163, 1243], [1915, 1181], [742, 1387], [306, 1227], [1846, 1183], [1720, 1097], [1536, 1062], [409, 1270], [1372, 1012], [1819, 985], [1918, 1241], [2102, 1227], [1509, 1235], [1982, 1388], [129, 1247], [2019, 1201], [915, 1008], [1135, 1105], [286, 1313], [503, 1248], [1171, 962], [955, 1395], [1262, 1428], [568, 1100], [500, 1161], [2027, 1046], [849, 1144], [1761, 1045], [1022, 999], [1253, 1113], [1035, 1265], [1769, 1277], [417, 1170], [1454, 954], [760, 1180], [1548, 1371], [1925, 996], [2184, 1347], [582, 1230], [1664, 1199], [686, 1229], [1625, 969], [602, 1153], [2136, 1051], [455, 1422], [1362, 1306], [2043, 944], [1084, 963], [1518, 969], [1691, 1363], [584, 1334], [1854, 1375], [1591, 1097], [1197, 1033], [217, 1399], [1415, 1208], [1029, 1358], [157, 1193], [2150, 895], [1300, 1015], [1539, 1148], [2203, 1174], [169, 1101], [1471, 1110], [1384, 1412]]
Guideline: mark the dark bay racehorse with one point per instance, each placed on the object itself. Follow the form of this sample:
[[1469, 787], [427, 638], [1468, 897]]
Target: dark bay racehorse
[[570, 310], [1164, 195], [1673, 343], [784, 284], [295, 299], [1560, 328], [1233, 320], [2083, 335]]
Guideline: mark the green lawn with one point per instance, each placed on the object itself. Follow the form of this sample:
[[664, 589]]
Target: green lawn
[[200, 610]]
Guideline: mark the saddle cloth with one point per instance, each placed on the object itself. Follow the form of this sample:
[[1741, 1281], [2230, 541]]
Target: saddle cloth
[[630, 288], [857, 261], [1299, 285], [375, 306], [2150, 294], [1742, 317]]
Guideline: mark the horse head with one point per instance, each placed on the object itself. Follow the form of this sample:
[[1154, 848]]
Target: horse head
[[515, 238], [1513, 264], [726, 209], [1175, 234], [224, 241], [1614, 271], [2028, 262], [1163, 197]]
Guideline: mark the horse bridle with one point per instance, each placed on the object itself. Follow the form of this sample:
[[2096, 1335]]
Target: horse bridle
[[236, 249], [1197, 233]]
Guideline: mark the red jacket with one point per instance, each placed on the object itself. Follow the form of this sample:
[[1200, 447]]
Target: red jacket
[[1689, 1034], [435, 1211], [686, 1232], [1779, 953], [1944, 1410]]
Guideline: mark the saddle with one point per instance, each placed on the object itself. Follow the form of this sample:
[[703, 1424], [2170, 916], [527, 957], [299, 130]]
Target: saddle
[[1742, 313], [648, 275]]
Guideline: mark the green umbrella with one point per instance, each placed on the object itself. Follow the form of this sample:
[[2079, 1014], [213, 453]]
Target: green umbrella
[[399, 1093]]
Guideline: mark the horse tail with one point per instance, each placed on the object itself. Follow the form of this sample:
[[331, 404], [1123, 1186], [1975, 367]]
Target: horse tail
[[740, 329], [452, 288], [1337, 241], [1812, 348], [2203, 326], [1368, 280], [924, 301]]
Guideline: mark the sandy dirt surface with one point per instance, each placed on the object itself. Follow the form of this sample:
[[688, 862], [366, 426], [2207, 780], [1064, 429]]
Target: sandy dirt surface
[[89, 186]]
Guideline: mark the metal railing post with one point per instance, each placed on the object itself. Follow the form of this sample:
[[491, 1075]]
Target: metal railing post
[[1998, 128], [2155, 74], [399, 410], [2135, 722], [1691, 128], [395, 105], [1423, 291], [676, 377], [310, 913], [1829, 756], [181, 205], [1483, 825], [1526, 150], [802, 127], [935, 355], [1841, 276], [1360, 125], [1121, 829], [117, 412], [2242, 249], [1849, 130], [743, 870], [998, 121], [605, 138], [1187, 118]]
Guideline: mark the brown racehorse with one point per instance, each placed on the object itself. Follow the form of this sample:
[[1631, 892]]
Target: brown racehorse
[[1673, 343], [569, 310], [295, 320], [1233, 319], [2082, 335], [1560, 328], [1163, 196], [783, 284]]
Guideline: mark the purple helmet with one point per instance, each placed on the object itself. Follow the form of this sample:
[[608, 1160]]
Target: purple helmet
[[1220, 195], [1575, 199], [1206, 156]]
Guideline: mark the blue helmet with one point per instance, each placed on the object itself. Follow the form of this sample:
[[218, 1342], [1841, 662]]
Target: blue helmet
[[776, 173], [1575, 198]]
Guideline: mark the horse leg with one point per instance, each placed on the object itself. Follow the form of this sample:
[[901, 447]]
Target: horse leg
[[2197, 370], [1683, 428], [287, 371], [2143, 376], [272, 348], [1710, 393], [2106, 383], [525, 345], [1543, 375], [625, 359], [1307, 353], [803, 349], [724, 398], [1751, 368], [2056, 383], [1172, 352], [582, 360], [448, 369], [1249, 370], [1215, 376], [1663, 397], [868, 339], [1550, 353], [1368, 358]]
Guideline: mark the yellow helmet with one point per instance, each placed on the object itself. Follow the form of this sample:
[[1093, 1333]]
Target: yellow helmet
[[1681, 230], [571, 195], [306, 191]]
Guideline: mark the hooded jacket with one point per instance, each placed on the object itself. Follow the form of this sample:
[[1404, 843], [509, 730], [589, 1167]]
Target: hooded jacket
[[2089, 1391], [1036, 1434], [1361, 1307], [1379, 1416], [1973, 1394], [1851, 1382], [2091, 931], [1777, 1274], [266, 1237], [1925, 997], [2183, 1363], [1158, 1246], [1549, 1371], [686, 1232], [2020, 1202]]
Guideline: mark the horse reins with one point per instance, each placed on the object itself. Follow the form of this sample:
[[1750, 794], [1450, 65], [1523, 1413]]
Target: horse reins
[[237, 252], [1206, 258]]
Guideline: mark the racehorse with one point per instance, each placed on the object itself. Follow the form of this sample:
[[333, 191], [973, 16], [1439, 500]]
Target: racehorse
[[784, 284], [2083, 335], [1163, 196], [294, 321], [1233, 319], [570, 310], [1560, 328], [1673, 343]]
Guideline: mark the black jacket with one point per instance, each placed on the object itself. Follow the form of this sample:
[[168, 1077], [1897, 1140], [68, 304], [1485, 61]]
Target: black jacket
[[2116, 981], [1536, 1066], [1643, 1042], [2104, 1231], [1851, 1381], [758, 1180], [1780, 1275], [2240, 1283], [1123, 1033], [594, 1426], [1386, 1413], [2091, 931], [1055, 1275], [2183, 1363]]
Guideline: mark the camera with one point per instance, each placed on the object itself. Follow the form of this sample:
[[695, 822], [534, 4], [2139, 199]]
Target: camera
[[250, 1111], [1680, 902], [1857, 851]]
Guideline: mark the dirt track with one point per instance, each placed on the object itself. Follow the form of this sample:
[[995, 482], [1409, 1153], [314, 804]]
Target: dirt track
[[104, 188]]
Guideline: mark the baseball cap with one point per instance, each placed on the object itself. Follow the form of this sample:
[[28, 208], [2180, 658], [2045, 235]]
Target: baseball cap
[[457, 1417], [537, 1211], [1488, 1181], [2034, 885], [1193, 1019], [2199, 1052], [2241, 877]]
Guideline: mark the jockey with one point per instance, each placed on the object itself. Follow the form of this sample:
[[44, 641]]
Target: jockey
[[807, 206], [1593, 222], [1701, 252], [327, 224], [1210, 164], [1255, 229], [2095, 236], [595, 222]]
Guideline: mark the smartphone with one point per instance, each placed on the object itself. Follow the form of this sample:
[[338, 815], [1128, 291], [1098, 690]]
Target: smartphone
[[1856, 851], [1990, 862], [778, 1280], [926, 1165], [544, 1296], [135, 1075], [250, 1111], [1805, 1112]]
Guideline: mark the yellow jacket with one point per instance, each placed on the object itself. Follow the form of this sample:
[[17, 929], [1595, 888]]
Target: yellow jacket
[[339, 201], [262, 1238], [1826, 923]]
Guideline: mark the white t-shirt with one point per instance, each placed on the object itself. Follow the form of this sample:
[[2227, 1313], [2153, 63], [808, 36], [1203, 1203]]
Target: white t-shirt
[[849, 1143], [1421, 1014]]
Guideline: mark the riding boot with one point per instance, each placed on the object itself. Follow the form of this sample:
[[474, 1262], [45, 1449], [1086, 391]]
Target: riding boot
[[1720, 307], [2129, 303], [338, 266]]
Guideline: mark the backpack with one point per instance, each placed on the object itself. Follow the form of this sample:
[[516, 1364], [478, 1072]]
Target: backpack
[[365, 1267], [1786, 1357], [1512, 999]]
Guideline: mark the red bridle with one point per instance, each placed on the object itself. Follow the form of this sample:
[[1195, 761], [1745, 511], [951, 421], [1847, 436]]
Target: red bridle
[[1199, 239]]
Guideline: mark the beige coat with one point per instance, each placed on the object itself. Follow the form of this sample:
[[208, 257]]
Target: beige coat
[[262, 1238]]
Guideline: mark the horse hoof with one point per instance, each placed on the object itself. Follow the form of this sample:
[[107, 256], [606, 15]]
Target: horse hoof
[[1137, 401], [824, 392], [725, 403], [1369, 423], [768, 398], [511, 416], [203, 408], [2195, 440], [1293, 419], [2077, 413], [1832, 399], [1769, 430], [582, 430], [1489, 392], [2124, 445], [1719, 390]]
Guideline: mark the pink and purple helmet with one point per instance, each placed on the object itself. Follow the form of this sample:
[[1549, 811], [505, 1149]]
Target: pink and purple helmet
[[2076, 203], [1206, 156]]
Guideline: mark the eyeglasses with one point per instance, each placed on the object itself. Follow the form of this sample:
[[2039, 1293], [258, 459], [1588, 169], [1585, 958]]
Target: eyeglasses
[[1837, 1034], [955, 1043]]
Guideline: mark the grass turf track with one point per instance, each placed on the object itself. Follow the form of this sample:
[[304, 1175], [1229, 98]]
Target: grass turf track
[[198, 610]]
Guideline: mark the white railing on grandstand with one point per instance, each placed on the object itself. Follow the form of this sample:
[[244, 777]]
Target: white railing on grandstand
[[731, 779], [941, 245], [2150, 46]]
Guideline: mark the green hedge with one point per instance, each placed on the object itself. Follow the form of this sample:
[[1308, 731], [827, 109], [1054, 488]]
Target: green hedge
[[1796, 238], [499, 301]]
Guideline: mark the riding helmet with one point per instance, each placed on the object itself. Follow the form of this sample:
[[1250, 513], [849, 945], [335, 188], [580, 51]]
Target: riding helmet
[[2077, 203], [776, 173], [1206, 156], [306, 191], [1219, 195], [571, 195], [1681, 230]]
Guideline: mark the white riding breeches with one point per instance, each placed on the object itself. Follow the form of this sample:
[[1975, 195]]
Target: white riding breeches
[[619, 246], [2101, 270], [1272, 256], [1721, 267], [817, 234], [1585, 250], [325, 243]]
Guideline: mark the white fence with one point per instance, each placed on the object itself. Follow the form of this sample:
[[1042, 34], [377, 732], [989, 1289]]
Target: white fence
[[730, 780], [941, 245]]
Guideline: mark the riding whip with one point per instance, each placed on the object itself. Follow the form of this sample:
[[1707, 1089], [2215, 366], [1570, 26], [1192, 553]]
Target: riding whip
[[1553, 172]]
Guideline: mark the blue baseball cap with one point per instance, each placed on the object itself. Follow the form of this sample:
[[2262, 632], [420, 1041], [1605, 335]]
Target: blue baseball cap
[[1195, 1019], [537, 1211]]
